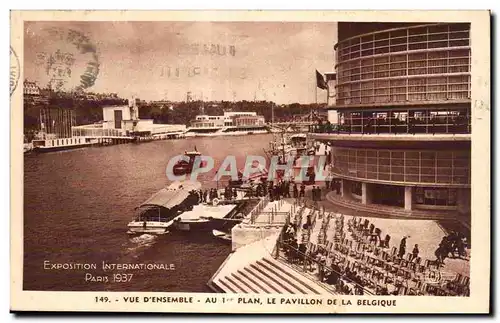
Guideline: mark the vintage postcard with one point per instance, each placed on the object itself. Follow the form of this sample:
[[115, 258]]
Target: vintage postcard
[[250, 161]]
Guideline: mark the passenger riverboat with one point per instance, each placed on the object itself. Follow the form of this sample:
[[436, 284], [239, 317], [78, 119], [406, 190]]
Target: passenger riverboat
[[50, 144], [156, 214]]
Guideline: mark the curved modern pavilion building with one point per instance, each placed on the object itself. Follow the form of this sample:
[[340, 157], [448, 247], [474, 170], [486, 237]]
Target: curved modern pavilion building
[[403, 105]]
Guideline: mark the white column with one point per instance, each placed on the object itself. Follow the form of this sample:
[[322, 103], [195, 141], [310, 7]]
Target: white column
[[408, 198], [366, 197]]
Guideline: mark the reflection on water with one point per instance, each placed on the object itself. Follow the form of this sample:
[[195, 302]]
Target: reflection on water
[[77, 205]]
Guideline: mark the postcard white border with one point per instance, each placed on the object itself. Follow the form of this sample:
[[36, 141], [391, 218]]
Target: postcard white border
[[478, 302]]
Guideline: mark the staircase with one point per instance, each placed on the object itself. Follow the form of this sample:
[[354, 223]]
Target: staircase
[[268, 276]]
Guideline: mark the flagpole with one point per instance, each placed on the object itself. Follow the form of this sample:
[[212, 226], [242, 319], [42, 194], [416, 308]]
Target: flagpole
[[327, 95], [316, 94]]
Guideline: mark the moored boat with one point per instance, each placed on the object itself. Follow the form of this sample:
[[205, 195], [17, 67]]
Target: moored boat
[[184, 167], [156, 214], [58, 144], [226, 236], [27, 147], [206, 217], [217, 214]]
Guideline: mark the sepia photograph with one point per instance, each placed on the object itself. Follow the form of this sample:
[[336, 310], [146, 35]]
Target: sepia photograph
[[246, 163]]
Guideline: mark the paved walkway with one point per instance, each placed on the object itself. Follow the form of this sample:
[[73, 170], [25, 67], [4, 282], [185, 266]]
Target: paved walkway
[[426, 233]]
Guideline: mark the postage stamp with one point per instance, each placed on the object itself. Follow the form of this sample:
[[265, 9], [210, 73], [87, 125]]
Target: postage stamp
[[276, 162]]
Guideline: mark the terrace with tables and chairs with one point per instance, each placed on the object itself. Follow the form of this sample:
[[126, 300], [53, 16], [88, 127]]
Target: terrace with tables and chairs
[[348, 256]]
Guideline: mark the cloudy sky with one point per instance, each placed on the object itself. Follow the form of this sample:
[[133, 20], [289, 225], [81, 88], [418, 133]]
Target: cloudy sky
[[165, 60]]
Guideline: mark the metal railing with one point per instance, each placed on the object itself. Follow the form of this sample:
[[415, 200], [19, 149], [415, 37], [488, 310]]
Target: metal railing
[[271, 214], [372, 126], [258, 209]]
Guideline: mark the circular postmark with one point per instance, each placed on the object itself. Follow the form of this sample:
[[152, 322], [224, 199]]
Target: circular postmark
[[438, 277], [432, 276], [68, 59], [14, 70]]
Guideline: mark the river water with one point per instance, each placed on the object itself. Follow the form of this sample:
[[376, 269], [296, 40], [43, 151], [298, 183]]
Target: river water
[[77, 205]]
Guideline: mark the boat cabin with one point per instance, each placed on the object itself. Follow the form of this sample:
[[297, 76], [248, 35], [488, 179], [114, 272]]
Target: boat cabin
[[298, 140], [167, 203], [192, 155]]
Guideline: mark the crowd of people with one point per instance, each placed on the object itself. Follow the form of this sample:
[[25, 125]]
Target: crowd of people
[[453, 245], [360, 261], [274, 190], [211, 194], [332, 185]]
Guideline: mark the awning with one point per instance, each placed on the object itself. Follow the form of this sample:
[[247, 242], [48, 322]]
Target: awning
[[173, 195]]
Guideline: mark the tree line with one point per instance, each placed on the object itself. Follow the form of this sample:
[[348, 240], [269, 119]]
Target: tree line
[[87, 112]]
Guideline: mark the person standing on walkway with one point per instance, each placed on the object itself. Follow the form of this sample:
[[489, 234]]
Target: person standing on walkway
[[414, 253], [271, 193], [402, 247], [287, 189], [387, 240], [327, 182]]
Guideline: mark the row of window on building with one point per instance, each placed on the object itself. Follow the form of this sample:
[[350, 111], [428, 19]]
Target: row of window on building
[[436, 62], [414, 89], [423, 38], [451, 167]]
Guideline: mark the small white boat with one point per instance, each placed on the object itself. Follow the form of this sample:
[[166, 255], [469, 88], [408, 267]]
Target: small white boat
[[222, 235], [156, 214], [27, 147], [204, 217]]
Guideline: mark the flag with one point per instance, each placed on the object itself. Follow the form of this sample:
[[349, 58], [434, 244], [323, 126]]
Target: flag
[[320, 81]]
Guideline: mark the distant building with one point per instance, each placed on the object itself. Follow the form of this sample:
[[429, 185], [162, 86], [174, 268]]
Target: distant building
[[124, 120], [229, 119], [30, 88], [33, 94]]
